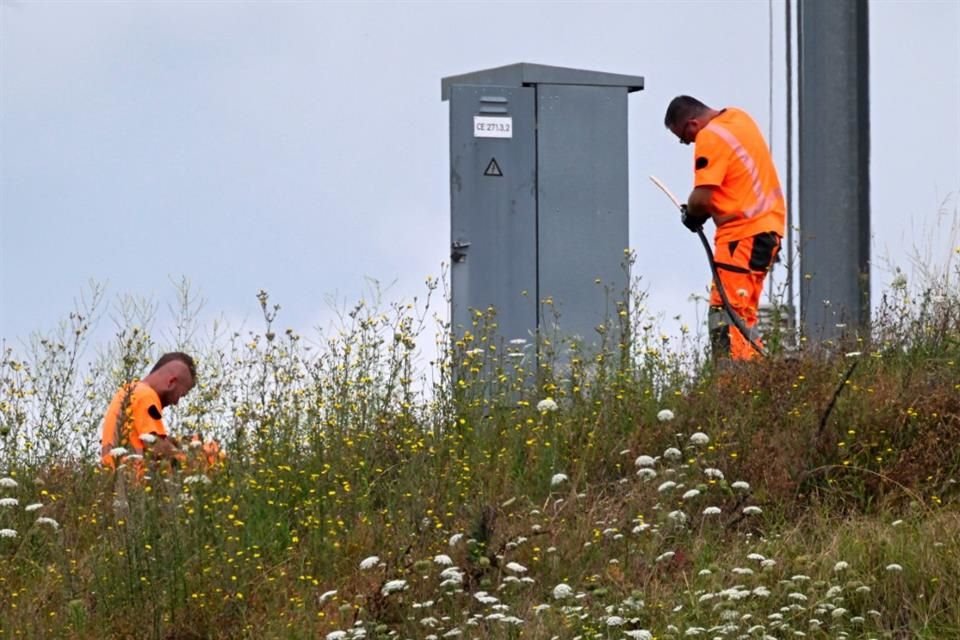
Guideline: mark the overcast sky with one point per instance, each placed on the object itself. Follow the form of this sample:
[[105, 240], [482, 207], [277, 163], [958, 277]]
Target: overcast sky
[[303, 147]]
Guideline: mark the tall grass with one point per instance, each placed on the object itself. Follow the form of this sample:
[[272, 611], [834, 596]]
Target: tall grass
[[546, 490]]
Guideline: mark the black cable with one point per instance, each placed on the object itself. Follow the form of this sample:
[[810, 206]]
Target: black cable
[[734, 316]]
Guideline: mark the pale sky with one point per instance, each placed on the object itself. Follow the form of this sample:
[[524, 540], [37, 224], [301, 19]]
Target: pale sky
[[302, 147]]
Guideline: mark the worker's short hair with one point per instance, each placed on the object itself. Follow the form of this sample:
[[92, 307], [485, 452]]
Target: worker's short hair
[[174, 356], [683, 108]]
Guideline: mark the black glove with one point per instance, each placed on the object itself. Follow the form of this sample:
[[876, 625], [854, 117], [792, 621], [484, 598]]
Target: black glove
[[690, 221]]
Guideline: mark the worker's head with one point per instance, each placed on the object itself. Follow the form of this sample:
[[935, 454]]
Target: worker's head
[[685, 117], [172, 377]]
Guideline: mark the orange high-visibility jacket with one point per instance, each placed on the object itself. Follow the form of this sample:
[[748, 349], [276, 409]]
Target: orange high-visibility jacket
[[135, 410], [731, 156]]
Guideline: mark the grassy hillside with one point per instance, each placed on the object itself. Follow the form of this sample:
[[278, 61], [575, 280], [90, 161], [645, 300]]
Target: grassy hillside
[[635, 493]]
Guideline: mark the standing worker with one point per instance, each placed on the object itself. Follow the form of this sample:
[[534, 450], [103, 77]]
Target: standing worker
[[134, 417], [736, 184]]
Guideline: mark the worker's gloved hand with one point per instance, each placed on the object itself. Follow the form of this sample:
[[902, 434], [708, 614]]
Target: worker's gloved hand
[[691, 222]]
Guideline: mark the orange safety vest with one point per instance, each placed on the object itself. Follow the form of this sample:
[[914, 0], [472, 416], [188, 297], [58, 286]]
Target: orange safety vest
[[731, 156], [134, 411]]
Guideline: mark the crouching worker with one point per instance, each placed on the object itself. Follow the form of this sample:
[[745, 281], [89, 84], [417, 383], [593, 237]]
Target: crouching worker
[[133, 423]]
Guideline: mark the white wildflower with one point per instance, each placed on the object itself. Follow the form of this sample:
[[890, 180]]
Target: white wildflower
[[672, 454], [894, 567], [615, 621], [691, 494], [8, 533], [194, 479], [716, 474], [752, 510], [740, 485], [666, 486], [677, 516], [769, 562], [761, 592], [666, 555], [519, 341], [547, 404], [33, 507], [646, 473], [705, 572], [562, 591], [756, 556], [665, 415], [644, 461], [541, 607], [896, 523], [443, 559], [639, 634], [516, 567], [393, 585], [558, 479], [8, 483], [699, 438], [148, 438], [49, 522], [336, 635], [326, 595], [369, 562], [118, 452], [711, 511], [9, 502], [454, 539], [840, 566], [452, 573], [742, 571]]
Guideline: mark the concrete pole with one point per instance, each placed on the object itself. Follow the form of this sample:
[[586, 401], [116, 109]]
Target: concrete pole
[[834, 108]]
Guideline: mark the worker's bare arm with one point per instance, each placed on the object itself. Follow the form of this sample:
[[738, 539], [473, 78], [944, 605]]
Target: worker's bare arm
[[164, 447], [698, 204]]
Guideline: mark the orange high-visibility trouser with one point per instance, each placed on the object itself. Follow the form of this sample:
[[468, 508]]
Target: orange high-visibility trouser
[[742, 266]]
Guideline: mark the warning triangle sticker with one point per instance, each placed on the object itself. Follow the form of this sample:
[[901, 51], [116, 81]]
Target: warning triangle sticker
[[493, 169]]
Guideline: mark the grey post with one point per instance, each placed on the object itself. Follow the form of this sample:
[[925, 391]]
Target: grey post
[[834, 169]]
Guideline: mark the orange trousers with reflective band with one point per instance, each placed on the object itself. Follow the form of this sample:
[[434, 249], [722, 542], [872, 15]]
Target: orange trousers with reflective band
[[742, 266]]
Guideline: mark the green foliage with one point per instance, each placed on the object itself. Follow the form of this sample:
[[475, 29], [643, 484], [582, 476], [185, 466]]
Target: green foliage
[[612, 487]]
